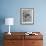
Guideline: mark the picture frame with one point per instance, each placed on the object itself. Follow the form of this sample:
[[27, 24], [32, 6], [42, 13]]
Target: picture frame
[[27, 15]]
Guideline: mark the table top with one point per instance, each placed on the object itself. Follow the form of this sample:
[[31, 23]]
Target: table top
[[22, 35]]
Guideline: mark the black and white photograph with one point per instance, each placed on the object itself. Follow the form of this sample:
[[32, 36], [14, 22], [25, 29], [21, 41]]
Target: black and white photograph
[[27, 15]]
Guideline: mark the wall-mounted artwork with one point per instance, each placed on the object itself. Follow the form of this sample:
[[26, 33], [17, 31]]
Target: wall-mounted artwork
[[27, 15]]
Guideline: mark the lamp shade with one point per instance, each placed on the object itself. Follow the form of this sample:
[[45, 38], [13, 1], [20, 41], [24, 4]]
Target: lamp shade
[[9, 21]]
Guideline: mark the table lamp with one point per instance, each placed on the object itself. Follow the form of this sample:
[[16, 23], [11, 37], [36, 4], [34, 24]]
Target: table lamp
[[9, 21]]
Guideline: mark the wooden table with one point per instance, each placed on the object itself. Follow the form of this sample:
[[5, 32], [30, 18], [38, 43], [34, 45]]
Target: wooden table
[[20, 39]]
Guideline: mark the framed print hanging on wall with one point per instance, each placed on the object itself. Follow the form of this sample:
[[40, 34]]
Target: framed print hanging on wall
[[27, 15]]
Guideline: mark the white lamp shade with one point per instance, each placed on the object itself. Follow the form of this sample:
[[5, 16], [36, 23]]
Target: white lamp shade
[[9, 21]]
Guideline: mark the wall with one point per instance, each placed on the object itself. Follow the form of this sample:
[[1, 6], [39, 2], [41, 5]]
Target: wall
[[11, 8]]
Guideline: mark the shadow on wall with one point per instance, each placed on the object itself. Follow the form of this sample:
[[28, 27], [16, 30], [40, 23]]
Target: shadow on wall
[[1, 39], [2, 21]]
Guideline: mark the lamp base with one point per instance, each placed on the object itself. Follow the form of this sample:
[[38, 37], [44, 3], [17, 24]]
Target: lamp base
[[9, 33]]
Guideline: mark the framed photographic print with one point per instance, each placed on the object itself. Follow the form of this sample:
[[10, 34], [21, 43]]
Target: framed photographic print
[[27, 15]]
